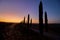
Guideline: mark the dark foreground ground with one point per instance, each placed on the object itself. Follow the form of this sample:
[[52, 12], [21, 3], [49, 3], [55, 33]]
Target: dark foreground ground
[[13, 31]]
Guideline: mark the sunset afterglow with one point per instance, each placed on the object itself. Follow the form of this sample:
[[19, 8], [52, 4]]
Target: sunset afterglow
[[14, 11]]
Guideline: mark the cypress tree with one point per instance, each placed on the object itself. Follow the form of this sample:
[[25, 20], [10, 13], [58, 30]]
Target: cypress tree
[[46, 22], [24, 19], [28, 20], [28, 27], [41, 18]]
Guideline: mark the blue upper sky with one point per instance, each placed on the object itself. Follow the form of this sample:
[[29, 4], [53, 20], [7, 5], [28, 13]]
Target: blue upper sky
[[10, 9]]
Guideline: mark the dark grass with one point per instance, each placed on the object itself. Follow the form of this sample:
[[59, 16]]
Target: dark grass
[[19, 32]]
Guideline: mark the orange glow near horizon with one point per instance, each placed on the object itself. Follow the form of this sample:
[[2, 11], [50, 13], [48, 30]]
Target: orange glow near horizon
[[10, 18], [13, 18], [17, 20]]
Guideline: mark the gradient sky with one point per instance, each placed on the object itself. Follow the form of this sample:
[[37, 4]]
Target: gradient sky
[[15, 10]]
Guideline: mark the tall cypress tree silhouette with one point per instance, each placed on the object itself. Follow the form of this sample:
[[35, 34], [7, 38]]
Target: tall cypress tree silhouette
[[31, 21], [24, 19], [46, 22], [28, 20], [28, 27], [41, 18]]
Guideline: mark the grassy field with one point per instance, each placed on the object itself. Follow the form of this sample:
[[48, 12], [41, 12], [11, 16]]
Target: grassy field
[[14, 31]]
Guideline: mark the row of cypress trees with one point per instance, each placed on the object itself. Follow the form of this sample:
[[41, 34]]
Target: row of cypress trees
[[41, 25], [28, 25]]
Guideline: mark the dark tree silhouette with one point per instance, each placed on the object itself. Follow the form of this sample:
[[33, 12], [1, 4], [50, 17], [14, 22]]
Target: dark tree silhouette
[[31, 21], [28, 27], [46, 22], [41, 18], [28, 21], [24, 19]]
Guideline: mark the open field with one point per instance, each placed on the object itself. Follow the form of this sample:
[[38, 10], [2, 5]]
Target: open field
[[14, 31]]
